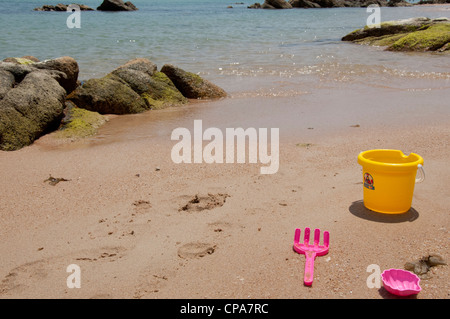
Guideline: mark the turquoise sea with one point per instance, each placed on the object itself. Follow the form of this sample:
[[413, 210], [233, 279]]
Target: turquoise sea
[[207, 37]]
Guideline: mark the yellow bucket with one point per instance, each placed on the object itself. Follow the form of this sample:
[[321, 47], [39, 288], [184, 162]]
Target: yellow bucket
[[389, 178]]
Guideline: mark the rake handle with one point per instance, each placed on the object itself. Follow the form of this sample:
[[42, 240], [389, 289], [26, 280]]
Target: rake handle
[[309, 267]]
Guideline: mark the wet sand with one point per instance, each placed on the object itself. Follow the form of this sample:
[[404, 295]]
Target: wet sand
[[140, 226]]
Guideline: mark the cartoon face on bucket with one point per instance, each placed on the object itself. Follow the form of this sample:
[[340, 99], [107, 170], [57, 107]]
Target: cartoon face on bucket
[[368, 181]]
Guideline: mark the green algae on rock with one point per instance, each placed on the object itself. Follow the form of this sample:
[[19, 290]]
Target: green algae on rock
[[79, 123], [432, 38], [415, 34]]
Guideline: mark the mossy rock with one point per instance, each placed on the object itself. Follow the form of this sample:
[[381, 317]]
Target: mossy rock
[[79, 123], [432, 38], [108, 95], [415, 34], [29, 110], [385, 40], [388, 28], [157, 90], [192, 85], [163, 93], [21, 61]]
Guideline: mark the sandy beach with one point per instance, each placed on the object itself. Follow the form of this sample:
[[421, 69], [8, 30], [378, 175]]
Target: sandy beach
[[140, 226]]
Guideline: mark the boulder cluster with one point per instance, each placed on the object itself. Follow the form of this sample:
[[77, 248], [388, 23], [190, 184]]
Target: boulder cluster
[[283, 4], [36, 96], [62, 7], [107, 5]]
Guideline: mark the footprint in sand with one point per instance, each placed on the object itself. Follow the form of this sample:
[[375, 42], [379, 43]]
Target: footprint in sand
[[141, 206], [196, 249], [123, 224], [48, 275], [199, 203]]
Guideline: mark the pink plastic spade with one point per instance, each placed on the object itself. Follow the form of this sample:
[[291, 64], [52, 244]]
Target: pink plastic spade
[[311, 251]]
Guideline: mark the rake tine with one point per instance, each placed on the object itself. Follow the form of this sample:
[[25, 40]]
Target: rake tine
[[316, 237], [306, 239], [297, 236], [326, 239]]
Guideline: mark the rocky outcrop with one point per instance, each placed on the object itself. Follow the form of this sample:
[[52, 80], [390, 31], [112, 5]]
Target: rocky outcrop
[[191, 85], [62, 7], [67, 68], [415, 34], [116, 5], [327, 4], [35, 95], [303, 4], [432, 2], [277, 4], [399, 3], [31, 105], [272, 4], [134, 87]]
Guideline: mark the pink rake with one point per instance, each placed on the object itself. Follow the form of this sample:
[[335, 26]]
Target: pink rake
[[311, 251]]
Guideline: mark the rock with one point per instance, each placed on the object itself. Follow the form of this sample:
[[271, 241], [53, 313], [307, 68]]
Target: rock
[[399, 3], [30, 109], [421, 266], [388, 28], [79, 123], [133, 87], [303, 4], [271, 4], [154, 87], [434, 37], [62, 7], [66, 65], [19, 71], [278, 4], [7, 81], [191, 85], [415, 34], [327, 3], [107, 95], [31, 58], [256, 5], [162, 93], [141, 65], [317, 4], [432, 2], [23, 60], [116, 5], [131, 5]]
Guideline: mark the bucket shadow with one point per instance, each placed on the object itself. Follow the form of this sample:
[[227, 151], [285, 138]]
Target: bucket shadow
[[358, 209]]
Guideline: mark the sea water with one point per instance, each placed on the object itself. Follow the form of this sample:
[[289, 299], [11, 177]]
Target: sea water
[[209, 38], [281, 68]]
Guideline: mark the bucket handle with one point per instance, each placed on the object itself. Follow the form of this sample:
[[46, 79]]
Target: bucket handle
[[421, 177]]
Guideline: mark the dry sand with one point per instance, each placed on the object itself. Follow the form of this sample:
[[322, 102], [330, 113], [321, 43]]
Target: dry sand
[[126, 216]]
